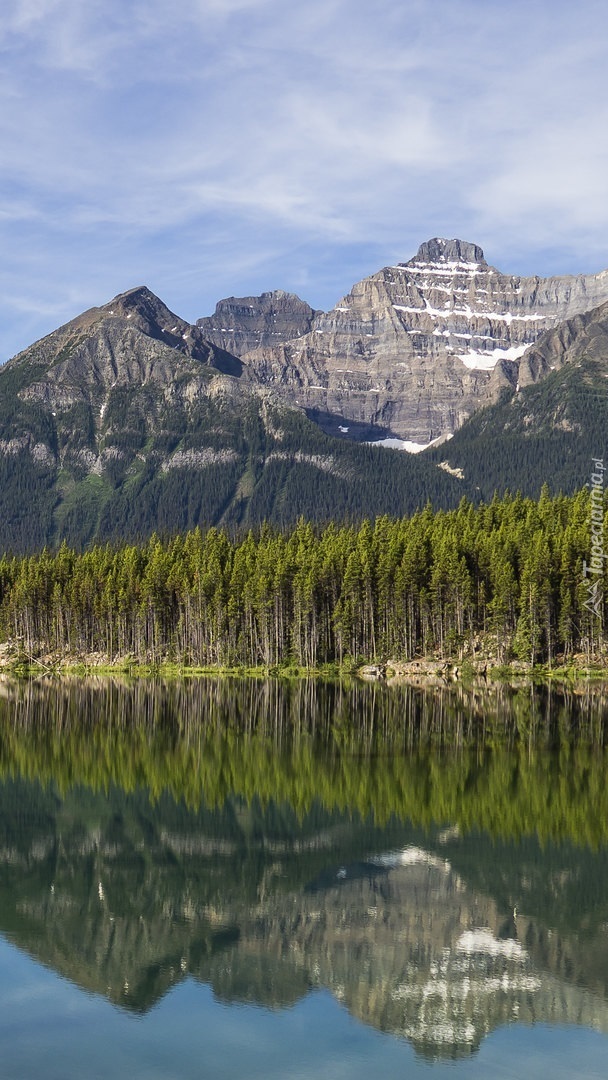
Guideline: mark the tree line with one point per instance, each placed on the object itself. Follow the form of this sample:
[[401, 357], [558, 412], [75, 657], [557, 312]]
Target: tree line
[[509, 574]]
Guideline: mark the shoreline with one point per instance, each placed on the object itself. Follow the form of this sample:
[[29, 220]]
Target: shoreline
[[422, 671]]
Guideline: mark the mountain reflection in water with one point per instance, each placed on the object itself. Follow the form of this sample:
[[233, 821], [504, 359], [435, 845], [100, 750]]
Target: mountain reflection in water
[[437, 925]]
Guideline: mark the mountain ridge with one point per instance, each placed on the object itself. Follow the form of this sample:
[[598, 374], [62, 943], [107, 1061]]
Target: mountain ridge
[[548, 429], [259, 320], [127, 419], [416, 348]]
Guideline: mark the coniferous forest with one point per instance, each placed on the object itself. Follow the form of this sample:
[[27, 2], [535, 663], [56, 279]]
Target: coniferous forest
[[506, 578]]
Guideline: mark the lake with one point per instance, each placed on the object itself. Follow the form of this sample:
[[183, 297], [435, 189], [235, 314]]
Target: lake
[[237, 878]]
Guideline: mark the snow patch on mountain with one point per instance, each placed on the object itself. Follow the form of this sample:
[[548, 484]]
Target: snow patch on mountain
[[487, 361], [402, 444]]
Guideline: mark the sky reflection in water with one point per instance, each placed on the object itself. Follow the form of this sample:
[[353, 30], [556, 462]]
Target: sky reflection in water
[[49, 1028]]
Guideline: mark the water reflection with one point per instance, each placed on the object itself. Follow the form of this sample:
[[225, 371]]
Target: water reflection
[[450, 715], [513, 762], [432, 929]]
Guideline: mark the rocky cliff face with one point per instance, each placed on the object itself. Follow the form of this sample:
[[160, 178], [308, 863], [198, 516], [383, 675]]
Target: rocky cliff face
[[583, 336], [132, 341], [127, 421], [417, 348], [552, 427], [241, 324]]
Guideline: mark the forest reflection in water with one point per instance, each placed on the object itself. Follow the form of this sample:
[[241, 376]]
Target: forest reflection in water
[[437, 861], [513, 762]]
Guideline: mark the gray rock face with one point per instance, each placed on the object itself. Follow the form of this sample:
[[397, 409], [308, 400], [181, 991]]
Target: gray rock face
[[132, 341], [584, 335], [418, 347], [251, 322], [458, 251]]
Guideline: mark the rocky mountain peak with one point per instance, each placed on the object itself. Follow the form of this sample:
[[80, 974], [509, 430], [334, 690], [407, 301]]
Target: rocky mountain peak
[[417, 347], [439, 250], [243, 323], [132, 297], [139, 306], [130, 342], [148, 311]]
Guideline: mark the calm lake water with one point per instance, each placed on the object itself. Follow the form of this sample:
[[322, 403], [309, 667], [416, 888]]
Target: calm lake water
[[241, 878]]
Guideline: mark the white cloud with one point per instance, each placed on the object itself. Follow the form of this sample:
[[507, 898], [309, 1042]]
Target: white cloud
[[162, 140]]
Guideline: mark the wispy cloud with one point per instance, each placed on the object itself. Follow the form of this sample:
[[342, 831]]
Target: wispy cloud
[[233, 145]]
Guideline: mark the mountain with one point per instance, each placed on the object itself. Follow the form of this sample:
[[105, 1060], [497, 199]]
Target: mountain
[[127, 421], [550, 427], [252, 322], [416, 348]]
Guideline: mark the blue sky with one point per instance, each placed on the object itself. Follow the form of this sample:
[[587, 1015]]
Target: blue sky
[[210, 148]]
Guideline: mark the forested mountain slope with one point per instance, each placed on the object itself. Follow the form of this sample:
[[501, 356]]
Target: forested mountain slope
[[549, 430], [126, 421]]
